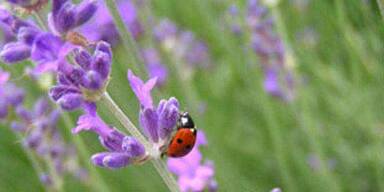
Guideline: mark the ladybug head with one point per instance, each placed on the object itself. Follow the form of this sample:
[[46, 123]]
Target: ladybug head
[[185, 121]]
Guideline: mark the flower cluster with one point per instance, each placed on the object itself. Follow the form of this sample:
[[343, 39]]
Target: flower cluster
[[122, 150], [159, 121], [101, 26], [193, 175], [85, 82], [270, 49], [46, 49], [41, 135]]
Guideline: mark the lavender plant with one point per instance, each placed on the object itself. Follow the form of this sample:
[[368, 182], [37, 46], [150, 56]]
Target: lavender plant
[[82, 79]]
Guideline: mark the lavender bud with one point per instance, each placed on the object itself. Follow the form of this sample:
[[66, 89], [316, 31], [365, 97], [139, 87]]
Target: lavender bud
[[84, 11], [149, 123], [15, 52], [133, 147], [65, 18], [116, 160], [102, 64], [104, 47], [70, 101], [97, 159], [92, 80], [60, 90], [83, 58], [27, 35], [168, 115], [113, 141]]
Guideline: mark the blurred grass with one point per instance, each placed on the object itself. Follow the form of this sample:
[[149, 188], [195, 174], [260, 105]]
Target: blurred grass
[[256, 141]]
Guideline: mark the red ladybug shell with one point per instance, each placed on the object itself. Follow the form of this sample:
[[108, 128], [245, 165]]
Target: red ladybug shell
[[182, 143]]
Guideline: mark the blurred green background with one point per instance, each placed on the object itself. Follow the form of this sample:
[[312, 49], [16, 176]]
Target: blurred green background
[[258, 142]]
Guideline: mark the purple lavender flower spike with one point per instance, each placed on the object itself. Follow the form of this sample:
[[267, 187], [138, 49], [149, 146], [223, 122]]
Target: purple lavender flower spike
[[15, 52], [142, 90], [271, 52], [86, 82], [41, 135], [3, 108], [193, 175], [157, 122]]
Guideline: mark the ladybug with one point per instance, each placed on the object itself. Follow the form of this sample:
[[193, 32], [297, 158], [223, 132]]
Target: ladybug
[[184, 139]]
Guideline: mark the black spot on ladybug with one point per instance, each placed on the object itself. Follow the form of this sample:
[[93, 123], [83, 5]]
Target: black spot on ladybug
[[179, 141], [188, 147]]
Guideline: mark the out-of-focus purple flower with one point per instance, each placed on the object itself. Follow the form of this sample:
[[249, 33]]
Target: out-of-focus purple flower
[[29, 5], [16, 51], [192, 173], [45, 179], [271, 52], [38, 126], [6, 34], [314, 162], [83, 83], [234, 20], [156, 122], [66, 16], [4, 76], [183, 45], [154, 66], [101, 26], [122, 150], [10, 94]]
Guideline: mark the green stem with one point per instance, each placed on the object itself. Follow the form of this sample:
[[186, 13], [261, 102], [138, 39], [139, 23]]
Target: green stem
[[98, 183], [127, 37], [40, 20], [159, 165], [380, 3]]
